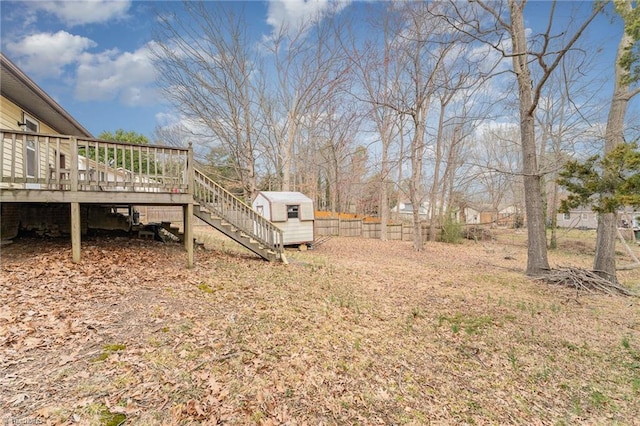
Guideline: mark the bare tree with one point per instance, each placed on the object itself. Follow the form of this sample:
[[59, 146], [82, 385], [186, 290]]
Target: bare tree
[[497, 162], [376, 69], [336, 149], [310, 70], [206, 66], [565, 116], [546, 51], [458, 82], [424, 46]]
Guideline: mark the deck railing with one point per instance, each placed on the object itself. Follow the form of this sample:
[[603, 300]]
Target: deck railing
[[59, 162], [225, 205]]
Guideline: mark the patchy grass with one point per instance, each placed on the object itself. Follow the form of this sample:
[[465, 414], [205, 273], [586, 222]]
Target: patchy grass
[[354, 332]]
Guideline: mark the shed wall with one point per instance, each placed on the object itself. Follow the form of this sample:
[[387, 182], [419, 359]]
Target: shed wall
[[295, 231], [261, 201], [306, 211], [278, 212]]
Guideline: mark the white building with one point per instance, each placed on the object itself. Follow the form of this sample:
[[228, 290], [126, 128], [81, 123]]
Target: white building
[[292, 212]]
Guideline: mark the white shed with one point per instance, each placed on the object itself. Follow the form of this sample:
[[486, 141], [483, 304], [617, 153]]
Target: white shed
[[292, 212]]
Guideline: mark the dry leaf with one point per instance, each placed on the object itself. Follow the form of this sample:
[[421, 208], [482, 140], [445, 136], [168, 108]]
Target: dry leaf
[[19, 398]]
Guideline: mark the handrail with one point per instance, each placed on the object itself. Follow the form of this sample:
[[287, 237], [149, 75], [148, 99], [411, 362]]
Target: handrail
[[69, 163], [228, 207]]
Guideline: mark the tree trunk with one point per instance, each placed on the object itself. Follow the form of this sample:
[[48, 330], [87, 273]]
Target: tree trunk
[[537, 262], [435, 187], [287, 153], [553, 241], [415, 194], [605, 259], [400, 169], [384, 203]]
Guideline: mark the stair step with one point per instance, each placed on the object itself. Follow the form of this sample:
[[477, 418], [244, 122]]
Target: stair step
[[207, 213]]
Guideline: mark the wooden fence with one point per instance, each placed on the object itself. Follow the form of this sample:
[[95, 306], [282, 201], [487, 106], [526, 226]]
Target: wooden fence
[[360, 228], [157, 214], [322, 226]]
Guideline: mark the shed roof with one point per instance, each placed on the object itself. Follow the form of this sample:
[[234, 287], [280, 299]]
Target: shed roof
[[286, 197]]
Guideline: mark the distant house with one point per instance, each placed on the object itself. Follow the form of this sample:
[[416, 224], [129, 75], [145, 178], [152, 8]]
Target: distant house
[[292, 212], [405, 210], [508, 216], [483, 215], [469, 215], [585, 218]]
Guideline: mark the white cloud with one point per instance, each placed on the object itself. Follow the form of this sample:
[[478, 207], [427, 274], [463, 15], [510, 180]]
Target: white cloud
[[128, 77], [45, 54], [74, 13], [168, 118], [294, 14]]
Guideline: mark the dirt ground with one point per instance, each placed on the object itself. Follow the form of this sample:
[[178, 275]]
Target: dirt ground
[[355, 331]]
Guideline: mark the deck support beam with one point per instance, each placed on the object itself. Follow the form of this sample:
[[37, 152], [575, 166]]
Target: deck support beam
[[187, 211], [75, 231]]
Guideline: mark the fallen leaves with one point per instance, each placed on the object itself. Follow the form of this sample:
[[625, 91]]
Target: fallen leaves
[[357, 331]]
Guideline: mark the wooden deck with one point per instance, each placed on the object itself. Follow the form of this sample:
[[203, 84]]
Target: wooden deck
[[57, 168], [43, 168]]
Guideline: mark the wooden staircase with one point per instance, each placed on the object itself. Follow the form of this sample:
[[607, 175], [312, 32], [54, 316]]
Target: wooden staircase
[[225, 212]]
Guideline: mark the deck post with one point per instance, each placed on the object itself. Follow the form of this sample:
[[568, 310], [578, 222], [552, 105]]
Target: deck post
[[187, 211], [75, 231], [75, 206]]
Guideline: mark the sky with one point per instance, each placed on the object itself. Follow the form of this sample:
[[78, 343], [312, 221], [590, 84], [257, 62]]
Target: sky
[[93, 58]]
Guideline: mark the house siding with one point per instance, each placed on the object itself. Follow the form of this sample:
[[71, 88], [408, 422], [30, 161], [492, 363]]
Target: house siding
[[46, 148], [12, 114], [588, 219]]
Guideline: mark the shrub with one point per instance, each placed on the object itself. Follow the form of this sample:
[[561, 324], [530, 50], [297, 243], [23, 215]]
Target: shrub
[[451, 231]]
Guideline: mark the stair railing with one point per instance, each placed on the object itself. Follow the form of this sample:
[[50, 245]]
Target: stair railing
[[228, 207]]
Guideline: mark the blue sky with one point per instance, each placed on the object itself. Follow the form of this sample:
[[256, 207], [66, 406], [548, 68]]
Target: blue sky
[[92, 56]]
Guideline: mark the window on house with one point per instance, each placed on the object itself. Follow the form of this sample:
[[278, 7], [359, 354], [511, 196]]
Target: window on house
[[292, 212], [30, 124], [31, 159], [31, 148], [566, 216]]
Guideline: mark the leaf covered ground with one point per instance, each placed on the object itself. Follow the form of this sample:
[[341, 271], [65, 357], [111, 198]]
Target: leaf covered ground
[[356, 331]]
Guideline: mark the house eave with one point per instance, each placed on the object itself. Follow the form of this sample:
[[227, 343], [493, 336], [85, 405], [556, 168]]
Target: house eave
[[17, 87]]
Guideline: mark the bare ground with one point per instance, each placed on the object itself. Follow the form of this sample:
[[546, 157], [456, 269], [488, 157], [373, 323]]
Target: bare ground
[[355, 332]]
